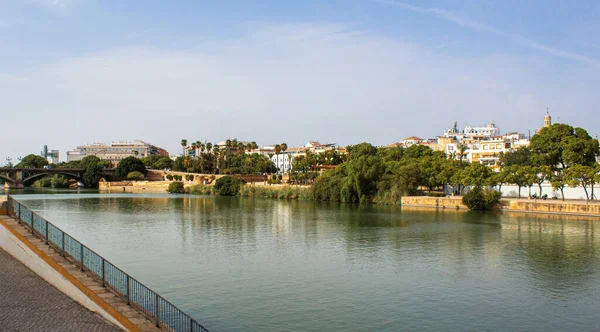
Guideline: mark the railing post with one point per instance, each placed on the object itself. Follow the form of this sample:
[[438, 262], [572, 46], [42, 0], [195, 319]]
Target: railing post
[[191, 325], [81, 256], [46, 231], [103, 274], [157, 312], [63, 244], [128, 297], [32, 230]]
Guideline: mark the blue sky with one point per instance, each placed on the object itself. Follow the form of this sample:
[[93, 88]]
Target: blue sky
[[81, 71]]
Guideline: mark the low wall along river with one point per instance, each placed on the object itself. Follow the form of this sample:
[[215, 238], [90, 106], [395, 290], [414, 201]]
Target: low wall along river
[[520, 205]]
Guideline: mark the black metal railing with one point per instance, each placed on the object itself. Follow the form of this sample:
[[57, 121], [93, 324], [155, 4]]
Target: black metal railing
[[138, 296]]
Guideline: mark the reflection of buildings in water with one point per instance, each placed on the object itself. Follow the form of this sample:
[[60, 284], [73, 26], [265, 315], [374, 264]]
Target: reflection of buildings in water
[[282, 219]]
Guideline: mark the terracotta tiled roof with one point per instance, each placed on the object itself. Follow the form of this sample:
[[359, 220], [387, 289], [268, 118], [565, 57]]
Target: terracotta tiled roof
[[413, 138]]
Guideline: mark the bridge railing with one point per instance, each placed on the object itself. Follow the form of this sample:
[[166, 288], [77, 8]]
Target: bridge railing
[[138, 296]]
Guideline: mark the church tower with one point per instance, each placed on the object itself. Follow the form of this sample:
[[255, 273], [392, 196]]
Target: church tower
[[547, 120]]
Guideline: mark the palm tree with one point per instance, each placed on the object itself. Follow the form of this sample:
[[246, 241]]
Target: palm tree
[[184, 144], [197, 147], [270, 158], [283, 148], [277, 151], [216, 151], [241, 148], [462, 151], [194, 146]]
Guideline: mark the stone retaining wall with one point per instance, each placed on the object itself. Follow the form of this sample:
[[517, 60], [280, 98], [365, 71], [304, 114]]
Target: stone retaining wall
[[517, 205], [437, 202]]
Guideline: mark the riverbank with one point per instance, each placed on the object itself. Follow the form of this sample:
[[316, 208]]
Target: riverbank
[[305, 193], [575, 208]]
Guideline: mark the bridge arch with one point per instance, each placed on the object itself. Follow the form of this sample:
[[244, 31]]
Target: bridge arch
[[6, 178], [66, 173]]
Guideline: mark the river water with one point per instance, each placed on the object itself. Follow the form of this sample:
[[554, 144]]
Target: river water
[[242, 264]]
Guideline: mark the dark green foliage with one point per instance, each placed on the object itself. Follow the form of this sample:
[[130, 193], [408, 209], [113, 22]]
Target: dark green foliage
[[157, 162], [189, 177], [32, 161], [433, 194], [179, 164], [169, 177], [520, 157], [176, 187], [92, 171], [479, 199], [327, 187], [60, 181], [228, 186], [45, 182], [561, 144], [362, 149], [135, 175], [128, 165]]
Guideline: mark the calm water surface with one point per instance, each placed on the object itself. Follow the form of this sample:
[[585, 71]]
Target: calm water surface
[[240, 264]]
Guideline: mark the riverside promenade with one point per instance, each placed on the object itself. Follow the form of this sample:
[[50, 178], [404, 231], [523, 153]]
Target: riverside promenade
[[29, 303], [24, 307]]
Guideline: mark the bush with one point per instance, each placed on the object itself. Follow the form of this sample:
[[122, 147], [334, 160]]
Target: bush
[[479, 199], [200, 189], [177, 177], [189, 177], [228, 186], [135, 175], [287, 192], [176, 188], [169, 177]]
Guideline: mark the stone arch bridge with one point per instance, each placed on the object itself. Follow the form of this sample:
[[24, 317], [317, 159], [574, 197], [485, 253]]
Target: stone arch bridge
[[15, 178]]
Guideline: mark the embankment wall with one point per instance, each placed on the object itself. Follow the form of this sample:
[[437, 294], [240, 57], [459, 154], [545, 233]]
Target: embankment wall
[[517, 205]]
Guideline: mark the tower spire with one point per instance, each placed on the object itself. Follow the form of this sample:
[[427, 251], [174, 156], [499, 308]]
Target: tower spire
[[547, 118]]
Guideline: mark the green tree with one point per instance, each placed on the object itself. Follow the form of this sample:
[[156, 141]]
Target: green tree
[[561, 144], [228, 186], [558, 181], [520, 156], [541, 174], [580, 175], [92, 171], [163, 162], [32, 161], [128, 165], [179, 164]]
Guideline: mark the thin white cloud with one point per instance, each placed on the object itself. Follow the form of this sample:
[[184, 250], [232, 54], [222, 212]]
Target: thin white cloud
[[290, 83], [478, 26], [592, 45]]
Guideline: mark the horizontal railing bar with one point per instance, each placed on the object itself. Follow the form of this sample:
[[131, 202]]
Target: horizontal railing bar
[[144, 293]]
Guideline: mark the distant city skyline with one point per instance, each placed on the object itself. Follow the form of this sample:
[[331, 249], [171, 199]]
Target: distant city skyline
[[82, 71]]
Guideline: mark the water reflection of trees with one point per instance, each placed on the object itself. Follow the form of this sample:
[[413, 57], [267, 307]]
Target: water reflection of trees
[[559, 254]]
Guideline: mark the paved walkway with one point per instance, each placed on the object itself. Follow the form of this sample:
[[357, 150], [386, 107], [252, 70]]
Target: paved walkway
[[29, 303]]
